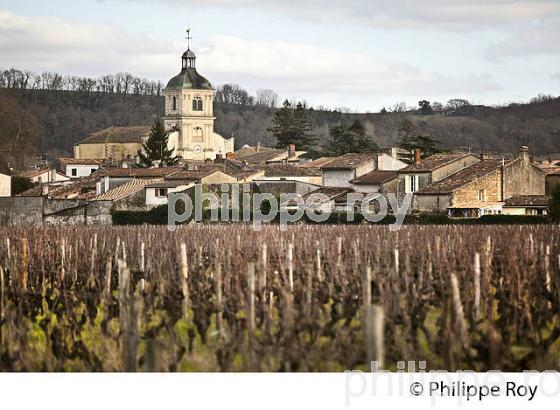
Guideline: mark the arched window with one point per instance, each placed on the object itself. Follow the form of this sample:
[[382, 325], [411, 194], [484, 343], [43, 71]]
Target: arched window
[[174, 104], [197, 104]]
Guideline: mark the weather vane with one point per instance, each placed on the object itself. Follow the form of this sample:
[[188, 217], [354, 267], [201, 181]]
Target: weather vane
[[189, 38]]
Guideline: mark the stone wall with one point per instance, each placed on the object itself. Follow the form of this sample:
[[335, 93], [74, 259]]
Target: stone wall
[[522, 178], [468, 194], [38, 211]]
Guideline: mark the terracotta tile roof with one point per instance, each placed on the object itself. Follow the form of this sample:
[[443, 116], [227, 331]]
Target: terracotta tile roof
[[528, 201], [125, 190], [318, 163], [195, 170], [78, 161], [551, 170], [435, 161], [169, 184], [261, 157], [84, 188], [31, 173], [141, 172], [463, 177], [331, 192], [348, 161], [375, 177], [337, 194], [477, 205], [118, 135], [287, 170]]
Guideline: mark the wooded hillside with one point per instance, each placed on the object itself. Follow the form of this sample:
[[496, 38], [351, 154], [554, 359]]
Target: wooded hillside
[[66, 117]]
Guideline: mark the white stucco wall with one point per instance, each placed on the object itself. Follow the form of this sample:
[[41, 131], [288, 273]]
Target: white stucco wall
[[81, 170], [388, 163], [49, 176], [5, 185], [338, 178], [152, 200]]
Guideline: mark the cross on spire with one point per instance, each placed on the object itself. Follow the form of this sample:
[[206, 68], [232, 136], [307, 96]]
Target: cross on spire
[[189, 38]]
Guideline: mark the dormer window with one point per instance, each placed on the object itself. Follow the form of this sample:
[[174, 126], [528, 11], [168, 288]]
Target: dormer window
[[197, 104]]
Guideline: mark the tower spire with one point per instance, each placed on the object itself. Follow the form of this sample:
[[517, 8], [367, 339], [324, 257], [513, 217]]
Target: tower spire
[[189, 38], [189, 57]]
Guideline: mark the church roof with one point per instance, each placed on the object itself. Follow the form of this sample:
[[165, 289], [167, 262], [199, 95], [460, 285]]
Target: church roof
[[189, 79], [118, 135]]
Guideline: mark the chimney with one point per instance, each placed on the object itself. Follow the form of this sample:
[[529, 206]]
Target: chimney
[[219, 158], [258, 146], [482, 155], [394, 153], [230, 155], [417, 156], [291, 150], [524, 153]]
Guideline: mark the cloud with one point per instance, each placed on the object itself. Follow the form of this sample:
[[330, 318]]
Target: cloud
[[408, 14], [321, 75], [52, 43], [556, 76], [539, 38], [299, 68]]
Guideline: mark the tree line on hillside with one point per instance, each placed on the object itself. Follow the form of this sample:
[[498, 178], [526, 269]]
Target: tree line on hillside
[[56, 117], [120, 83], [293, 125]]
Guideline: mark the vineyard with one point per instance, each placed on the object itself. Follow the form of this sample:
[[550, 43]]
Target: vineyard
[[312, 298]]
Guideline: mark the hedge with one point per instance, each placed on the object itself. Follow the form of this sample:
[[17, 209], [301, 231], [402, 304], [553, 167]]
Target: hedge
[[158, 216]]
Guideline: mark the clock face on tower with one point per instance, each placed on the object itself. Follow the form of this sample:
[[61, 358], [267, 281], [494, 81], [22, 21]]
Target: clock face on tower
[[197, 148]]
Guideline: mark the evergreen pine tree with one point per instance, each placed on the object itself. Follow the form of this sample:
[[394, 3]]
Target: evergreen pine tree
[[155, 148], [353, 138], [411, 139], [293, 126]]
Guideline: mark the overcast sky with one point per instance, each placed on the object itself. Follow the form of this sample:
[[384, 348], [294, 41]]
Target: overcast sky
[[360, 54]]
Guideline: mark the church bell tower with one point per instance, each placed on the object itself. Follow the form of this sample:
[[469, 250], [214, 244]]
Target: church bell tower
[[189, 112]]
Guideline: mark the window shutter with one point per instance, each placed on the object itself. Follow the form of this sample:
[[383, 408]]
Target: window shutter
[[407, 188]]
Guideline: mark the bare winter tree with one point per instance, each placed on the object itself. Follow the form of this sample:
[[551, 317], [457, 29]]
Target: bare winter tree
[[267, 97]]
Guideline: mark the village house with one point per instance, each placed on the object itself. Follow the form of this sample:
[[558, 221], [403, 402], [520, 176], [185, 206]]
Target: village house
[[44, 176], [78, 168], [264, 155], [114, 177], [482, 188], [424, 172], [376, 181], [130, 196], [340, 171], [287, 172], [526, 205], [329, 199]]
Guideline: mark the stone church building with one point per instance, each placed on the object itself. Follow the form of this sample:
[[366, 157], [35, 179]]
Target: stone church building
[[189, 119]]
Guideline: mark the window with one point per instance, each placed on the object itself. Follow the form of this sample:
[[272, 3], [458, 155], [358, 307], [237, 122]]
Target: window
[[161, 192], [93, 170], [174, 104], [197, 104], [481, 195], [198, 134], [74, 172], [411, 184]]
